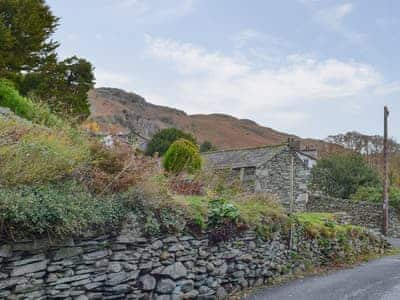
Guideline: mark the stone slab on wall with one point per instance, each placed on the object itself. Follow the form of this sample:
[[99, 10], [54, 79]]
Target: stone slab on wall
[[162, 268], [361, 213]]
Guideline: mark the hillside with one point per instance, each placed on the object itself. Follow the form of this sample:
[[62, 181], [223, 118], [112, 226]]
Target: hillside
[[121, 111]]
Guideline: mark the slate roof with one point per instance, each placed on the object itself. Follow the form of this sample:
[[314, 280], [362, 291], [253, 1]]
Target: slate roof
[[241, 158]]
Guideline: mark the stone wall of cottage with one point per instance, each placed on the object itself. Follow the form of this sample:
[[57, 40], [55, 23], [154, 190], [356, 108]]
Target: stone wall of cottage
[[361, 213], [274, 177], [127, 266]]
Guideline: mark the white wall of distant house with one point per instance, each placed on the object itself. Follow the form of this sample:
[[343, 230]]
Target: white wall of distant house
[[310, 162]]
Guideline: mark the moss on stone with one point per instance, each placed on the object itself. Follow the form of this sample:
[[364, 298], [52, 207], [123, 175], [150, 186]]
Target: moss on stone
[[325, 225]]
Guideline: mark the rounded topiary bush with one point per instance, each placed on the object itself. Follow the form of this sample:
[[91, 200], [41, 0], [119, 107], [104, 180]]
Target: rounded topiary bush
[[162, 140], [182, 155]]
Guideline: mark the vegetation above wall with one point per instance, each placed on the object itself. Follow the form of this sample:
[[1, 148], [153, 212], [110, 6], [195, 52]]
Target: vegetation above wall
[[374, 194], [55, 210], [33, 154], [340, 175]]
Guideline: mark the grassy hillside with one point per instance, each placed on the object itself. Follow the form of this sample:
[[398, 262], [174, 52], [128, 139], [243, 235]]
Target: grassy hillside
[[118, 110]]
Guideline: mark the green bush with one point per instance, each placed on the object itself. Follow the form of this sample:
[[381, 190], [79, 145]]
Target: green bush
[[207, 146], [340, 175], [56, 210], [196, 209], [32, 154], [221, 210], [162, 140], [26, 108], [375, 194], [182, 155]]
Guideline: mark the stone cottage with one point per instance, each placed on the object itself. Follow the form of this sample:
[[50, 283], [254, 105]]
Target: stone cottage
[[278, 170]]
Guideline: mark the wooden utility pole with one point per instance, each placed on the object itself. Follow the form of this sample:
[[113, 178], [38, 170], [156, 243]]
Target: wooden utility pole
[[385, 173], [291, 204]]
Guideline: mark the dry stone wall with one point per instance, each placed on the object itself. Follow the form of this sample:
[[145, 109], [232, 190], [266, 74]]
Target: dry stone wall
[[164, 268], [361, 213]]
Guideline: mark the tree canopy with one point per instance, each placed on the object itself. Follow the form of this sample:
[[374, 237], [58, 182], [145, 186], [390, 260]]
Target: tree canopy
[[28, 58], [341, 175], [25, 30], [207, 146], [162, 140]]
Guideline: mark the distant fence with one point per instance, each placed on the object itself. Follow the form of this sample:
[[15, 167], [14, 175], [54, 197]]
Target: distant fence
[[361, 213]]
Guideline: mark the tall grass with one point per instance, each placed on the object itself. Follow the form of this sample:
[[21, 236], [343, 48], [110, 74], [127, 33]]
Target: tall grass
[[23, 107], [33, 154]]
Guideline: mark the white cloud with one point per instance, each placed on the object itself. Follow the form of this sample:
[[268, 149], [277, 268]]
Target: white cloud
[[206, 82], [388, 89], [156, 11], [202, 81], [112, 79], [190, 59], [333, 17]]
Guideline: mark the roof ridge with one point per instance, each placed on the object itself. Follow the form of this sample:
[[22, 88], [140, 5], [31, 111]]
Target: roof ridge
[[248, 148]]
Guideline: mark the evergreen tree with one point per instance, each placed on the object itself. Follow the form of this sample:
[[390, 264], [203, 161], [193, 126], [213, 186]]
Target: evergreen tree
[[181, 156], [207, 146], [161, 141], [28, 58], [25, 30]]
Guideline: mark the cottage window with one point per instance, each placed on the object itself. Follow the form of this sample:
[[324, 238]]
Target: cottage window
[[306, 161]]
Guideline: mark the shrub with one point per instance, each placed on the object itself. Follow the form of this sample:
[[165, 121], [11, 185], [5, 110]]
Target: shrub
[[182, 155], [222, 217], [162, 140], [340, 175], [157, 211], [56, 210], [219, 183], [26, 108], [32, 154], [375, 194], [110, 161], [196, 208], [116, 169], [207, 146], [220, 211]]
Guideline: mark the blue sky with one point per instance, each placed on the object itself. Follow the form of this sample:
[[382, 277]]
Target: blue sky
[[307, 67]]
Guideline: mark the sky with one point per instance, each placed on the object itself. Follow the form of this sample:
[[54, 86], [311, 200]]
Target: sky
[[307, 67]]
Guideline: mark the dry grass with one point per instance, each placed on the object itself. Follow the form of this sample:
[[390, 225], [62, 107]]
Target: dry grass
[[33, 154], [116, 169]]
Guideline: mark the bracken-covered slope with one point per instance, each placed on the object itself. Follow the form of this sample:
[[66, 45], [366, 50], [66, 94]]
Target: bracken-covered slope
[[117, 110]]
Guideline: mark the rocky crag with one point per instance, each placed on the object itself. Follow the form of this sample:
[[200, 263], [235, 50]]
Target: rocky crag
[[120, 111]]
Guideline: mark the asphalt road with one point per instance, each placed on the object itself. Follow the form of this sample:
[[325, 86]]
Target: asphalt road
[[378, 279]]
